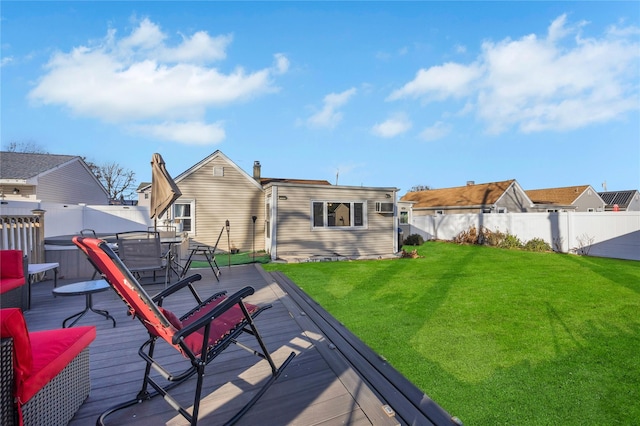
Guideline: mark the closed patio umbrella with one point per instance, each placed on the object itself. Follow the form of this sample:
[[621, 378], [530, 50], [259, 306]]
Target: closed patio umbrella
[[164, 190]]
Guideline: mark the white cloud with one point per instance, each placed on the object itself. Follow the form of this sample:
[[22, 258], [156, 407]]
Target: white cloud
[[142, 77], [439, 82], [435, 132], [190, 133], [6, 60], [329, 116], [393, 126], [282, 63], [535, 84]]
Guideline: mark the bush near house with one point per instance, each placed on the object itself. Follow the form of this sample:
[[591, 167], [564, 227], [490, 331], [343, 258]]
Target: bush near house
[[487, 237], [414, 240]]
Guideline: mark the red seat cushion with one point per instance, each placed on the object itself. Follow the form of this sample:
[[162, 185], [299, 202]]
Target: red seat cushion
[[12, 325], [53, 350], [11, 270], [8, 284], [11, 264], [220, 327]]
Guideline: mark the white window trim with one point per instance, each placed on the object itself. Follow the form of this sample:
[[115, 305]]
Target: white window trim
[[192, 203], [325, 218]]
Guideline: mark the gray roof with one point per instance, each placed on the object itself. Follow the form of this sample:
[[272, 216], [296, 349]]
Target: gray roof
[[21, 165]]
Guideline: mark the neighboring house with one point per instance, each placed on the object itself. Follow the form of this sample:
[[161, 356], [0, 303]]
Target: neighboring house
[[624, 201], [144, 196], [289, 218], [493, 197], [581, 198], [51, 178]]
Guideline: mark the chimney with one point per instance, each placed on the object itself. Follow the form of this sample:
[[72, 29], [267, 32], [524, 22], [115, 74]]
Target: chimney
[[471, 182], [256, 170]]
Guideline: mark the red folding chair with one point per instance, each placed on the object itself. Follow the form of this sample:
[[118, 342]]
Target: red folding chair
[[200, 335]]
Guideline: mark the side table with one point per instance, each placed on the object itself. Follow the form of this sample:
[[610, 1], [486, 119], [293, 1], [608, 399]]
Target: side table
[[86, 288], [37, 268]]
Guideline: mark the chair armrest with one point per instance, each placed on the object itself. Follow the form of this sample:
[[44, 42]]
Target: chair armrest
[[218, 310], [175, 287]]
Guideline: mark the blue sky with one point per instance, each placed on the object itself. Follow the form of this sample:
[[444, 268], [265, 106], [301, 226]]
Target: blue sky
[[391, 94]]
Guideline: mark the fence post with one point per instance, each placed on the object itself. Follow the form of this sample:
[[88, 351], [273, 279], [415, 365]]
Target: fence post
[[38, 248]]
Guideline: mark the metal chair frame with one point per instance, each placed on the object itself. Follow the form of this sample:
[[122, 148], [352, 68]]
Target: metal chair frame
[[203, 333]]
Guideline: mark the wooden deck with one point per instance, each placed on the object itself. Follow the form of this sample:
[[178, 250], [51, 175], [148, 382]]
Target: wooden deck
[[333, 380]]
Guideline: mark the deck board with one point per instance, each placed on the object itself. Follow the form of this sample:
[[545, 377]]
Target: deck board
[[319, 387], [308, 393]]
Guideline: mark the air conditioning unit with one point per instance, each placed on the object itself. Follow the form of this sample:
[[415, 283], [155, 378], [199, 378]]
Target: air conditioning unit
[[384, 207]]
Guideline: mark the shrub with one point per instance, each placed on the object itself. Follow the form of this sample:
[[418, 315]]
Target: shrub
[[537, 244], [469, 236], [414, 240], [493, 239], [511, 242]]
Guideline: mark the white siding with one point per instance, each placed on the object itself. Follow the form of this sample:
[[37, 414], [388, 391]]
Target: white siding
[[297, 238]]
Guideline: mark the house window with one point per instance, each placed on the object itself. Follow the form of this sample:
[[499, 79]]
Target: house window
[[183, 213], [404, 217], [338, 214], [439, 211], [502, 209]]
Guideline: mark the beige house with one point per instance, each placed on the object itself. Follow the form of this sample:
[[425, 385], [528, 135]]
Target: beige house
[[64, 179], [582, 198], [493, 197], [288, 218]]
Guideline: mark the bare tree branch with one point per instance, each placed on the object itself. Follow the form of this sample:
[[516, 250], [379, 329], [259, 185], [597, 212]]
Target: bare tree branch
[[118, 181]]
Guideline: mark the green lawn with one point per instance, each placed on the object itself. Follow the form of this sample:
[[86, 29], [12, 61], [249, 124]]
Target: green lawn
[[497, 336]]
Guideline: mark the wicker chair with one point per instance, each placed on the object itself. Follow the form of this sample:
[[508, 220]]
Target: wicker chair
[[51, 393], [14, 289]]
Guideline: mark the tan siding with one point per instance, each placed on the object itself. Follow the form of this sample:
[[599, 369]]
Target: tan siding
[[295, 236], [71, 184], [219, 198]]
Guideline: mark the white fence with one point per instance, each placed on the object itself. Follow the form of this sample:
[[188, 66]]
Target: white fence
[[603, 234], [63, 219]]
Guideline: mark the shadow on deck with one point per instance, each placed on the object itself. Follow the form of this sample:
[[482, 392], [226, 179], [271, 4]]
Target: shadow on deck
[[334, 379]]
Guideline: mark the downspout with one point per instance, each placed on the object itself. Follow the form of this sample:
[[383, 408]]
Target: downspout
[[274, 223], [396, 224]]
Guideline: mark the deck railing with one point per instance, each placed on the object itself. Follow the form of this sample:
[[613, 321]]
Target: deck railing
[[24, 232]]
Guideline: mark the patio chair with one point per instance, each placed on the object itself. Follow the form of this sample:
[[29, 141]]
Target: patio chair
[[209, 254], [141, 251], [200, 335]]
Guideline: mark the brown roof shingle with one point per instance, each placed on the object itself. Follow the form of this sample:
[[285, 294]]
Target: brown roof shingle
[[563, 196], [469, 195]]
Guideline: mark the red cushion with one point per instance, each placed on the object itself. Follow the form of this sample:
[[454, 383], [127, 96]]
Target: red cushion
[[173, 319], [53, 350], [11, 264], [8, 284], [220, 326], [12, 324]]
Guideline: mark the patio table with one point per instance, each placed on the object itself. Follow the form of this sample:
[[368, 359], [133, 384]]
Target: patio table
[[86, 288]]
